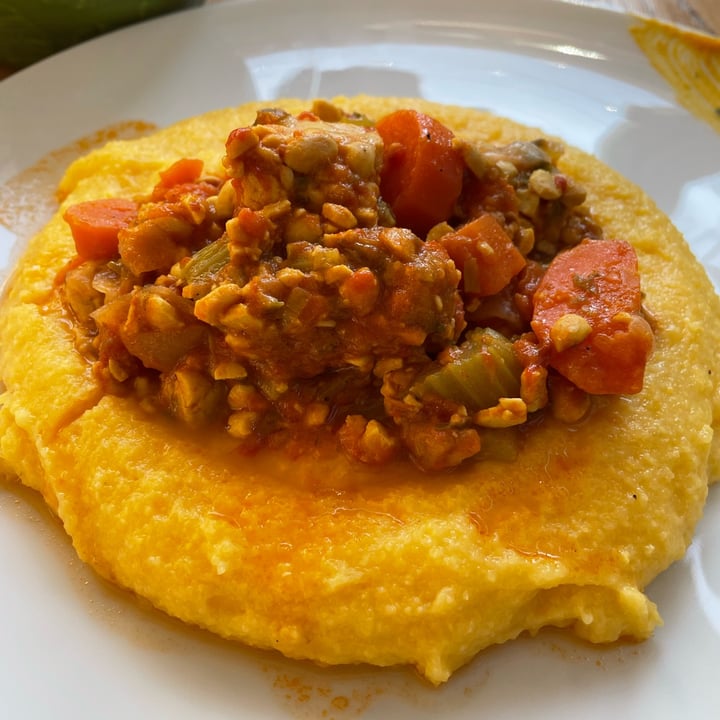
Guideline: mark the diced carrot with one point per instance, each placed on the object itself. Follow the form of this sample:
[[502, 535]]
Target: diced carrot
[[95, 225], [484, 254], [422, 173], [185, 170], [587, 315]]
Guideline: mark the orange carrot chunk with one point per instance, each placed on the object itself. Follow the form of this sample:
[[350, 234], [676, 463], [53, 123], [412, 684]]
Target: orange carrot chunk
[[422, 173], [484, 254], [95, 225], [185, 170], [587, 315]]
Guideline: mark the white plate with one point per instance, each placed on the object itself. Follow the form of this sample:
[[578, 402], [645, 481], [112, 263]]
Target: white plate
[[72, 647]]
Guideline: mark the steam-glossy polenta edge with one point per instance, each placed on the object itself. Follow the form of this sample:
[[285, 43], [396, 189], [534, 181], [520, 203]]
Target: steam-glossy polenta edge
[[324, 559]]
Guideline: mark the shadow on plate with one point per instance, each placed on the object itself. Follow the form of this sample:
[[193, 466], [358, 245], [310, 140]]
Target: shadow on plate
[[658, 148], [312, 83]]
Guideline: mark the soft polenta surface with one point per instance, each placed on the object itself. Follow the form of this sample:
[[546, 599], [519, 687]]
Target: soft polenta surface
[[320, 557]]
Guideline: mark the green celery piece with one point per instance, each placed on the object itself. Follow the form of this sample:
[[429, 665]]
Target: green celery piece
[[482, 370]]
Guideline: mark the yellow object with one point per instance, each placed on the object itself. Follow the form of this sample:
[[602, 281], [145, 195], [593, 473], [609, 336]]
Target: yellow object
[[689, 62], [321, 558]]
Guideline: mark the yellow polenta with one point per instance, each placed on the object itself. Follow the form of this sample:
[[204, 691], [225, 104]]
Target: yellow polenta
[[323, 558]]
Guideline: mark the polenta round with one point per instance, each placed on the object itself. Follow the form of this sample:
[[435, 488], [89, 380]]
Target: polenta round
[[322, 556]]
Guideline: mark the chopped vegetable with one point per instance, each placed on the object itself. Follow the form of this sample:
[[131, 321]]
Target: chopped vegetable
[[386, 289], [423, 171], [484, 254], [185, 170], [95, 225], [478, 373], [587, 315], [207, 262]]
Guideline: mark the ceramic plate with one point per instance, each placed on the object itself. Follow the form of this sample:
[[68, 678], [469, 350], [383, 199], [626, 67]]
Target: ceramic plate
[[73, 647]]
